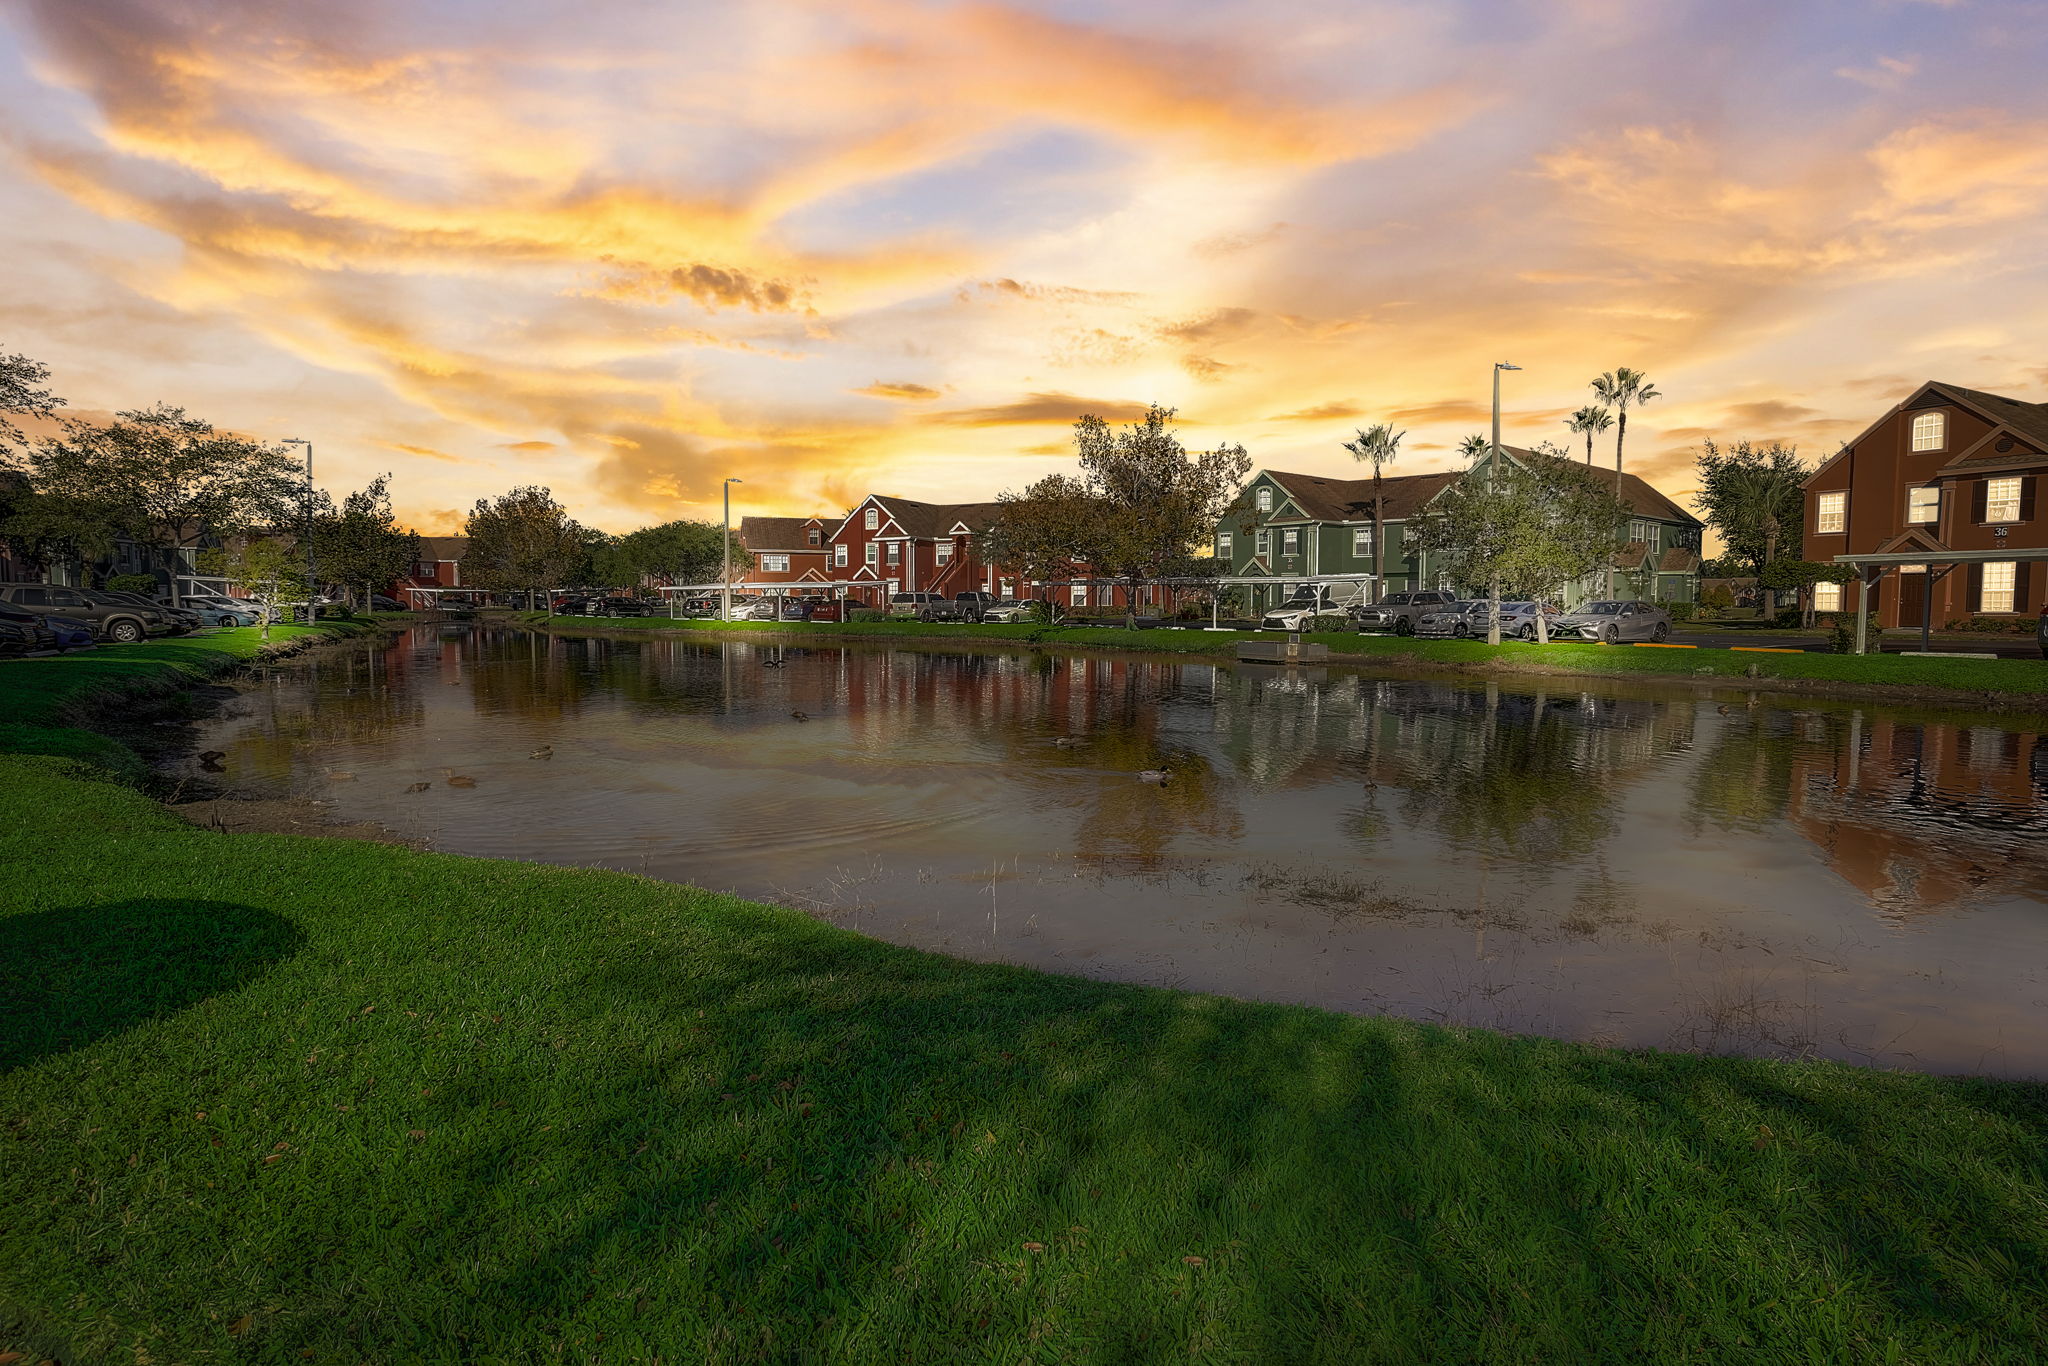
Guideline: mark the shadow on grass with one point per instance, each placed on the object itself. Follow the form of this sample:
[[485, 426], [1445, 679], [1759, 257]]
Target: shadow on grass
[[77, 974]]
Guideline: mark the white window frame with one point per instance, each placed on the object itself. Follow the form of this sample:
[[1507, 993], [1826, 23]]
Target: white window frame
[[1361, 542], [1290, 541], [1223, 545], [775, 564], [1078, 595], [1827, 597], [1265, 498], [1264, 542], [1831, 513], [839, 556], [874, 519], [1930, 506], [1930, 431], [1999, 598], [813, 536], [943, 552], [874, 553], [2002, 495], [895, 552]]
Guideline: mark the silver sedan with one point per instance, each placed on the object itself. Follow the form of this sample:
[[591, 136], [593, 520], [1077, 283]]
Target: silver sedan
[[1610, 623]]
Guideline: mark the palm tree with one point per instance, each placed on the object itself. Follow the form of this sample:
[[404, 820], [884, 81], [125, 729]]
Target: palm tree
[[1376, 444], [1474, 446], [1619, 389], [1592, 420]]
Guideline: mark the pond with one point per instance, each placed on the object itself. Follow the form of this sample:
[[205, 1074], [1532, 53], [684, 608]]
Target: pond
[[1644, 865]]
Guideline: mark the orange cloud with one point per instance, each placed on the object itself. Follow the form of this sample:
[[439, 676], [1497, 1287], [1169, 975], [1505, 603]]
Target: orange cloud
[[911, 393], [1039, 408]]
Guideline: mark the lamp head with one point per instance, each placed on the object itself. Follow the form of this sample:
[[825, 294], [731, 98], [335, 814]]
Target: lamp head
[[1503, 365]]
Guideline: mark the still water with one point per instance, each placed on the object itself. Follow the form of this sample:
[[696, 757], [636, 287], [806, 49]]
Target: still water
[[1631, 864]]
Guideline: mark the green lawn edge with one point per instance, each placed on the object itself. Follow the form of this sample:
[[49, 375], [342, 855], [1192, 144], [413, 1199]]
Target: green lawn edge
[[277, 1098], [2002, 682]]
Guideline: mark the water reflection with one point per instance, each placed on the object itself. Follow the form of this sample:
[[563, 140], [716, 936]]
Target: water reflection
[[1627, 863]]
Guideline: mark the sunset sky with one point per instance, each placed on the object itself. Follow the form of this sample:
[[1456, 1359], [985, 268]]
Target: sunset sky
[[625, 249]]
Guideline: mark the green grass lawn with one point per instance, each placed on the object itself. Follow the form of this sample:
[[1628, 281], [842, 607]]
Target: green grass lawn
[[2023, 680], [269, 1096]]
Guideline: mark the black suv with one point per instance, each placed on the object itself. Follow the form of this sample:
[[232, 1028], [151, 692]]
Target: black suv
[[973, 606], [110, 615]]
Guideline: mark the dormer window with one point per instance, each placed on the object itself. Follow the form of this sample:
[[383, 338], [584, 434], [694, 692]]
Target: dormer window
[[1930, 431], [874, 519], [814, 537], [1265, 499]]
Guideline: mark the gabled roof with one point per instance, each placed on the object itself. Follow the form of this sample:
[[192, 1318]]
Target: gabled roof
[[1350, 500], [444, 547], [929, 521], [1678, 560], [784, 533], [2029, 420]]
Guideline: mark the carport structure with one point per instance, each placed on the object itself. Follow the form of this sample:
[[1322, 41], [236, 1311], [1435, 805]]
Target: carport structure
[[1939, 564]]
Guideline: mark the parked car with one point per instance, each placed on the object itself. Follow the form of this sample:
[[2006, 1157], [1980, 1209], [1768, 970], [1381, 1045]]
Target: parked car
[[1009, 611], [111, 617], [2041, 632], [922, 606], [215, 610], [27, 632], [70, 633], [1398, 612], [182, 619], [757, 609], [1518, 619], [1309, 601], [622, 605], [380, 603], [1610, 623], [974, 606], [794, 608], [698, 605], [828, 609], [1464, 617]]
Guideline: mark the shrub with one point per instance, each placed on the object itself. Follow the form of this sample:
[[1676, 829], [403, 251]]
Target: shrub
[[144, 584], [1787, 617], [867, 614], [1997, 626], [1679, 609], [1843, 638], [1044, 613], [1717, 598], [1331, 623]]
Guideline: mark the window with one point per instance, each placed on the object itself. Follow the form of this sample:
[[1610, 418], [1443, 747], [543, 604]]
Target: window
[[1361, 542], [1831, 513], [943, 551], [1265, 541], [874, 554], [839, 557], [1265, 499], [1930, 431], [813, 537], [874, 519], [1080, 592], [1646, 532], [1923, 505], [2001, 500], [775, 564], [1222, 545], [1290, 542], [895, 552], [1999, 579], [1827, 597]]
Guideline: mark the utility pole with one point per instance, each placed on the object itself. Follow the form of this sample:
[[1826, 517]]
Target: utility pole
[[1492, 461], [725, 572]]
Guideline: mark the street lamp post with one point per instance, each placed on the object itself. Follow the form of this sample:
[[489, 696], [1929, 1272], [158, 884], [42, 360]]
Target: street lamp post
[[312, 576], [725, 571], [1492, 462]]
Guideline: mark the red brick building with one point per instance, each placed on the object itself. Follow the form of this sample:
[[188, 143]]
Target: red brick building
[[796, 550], [1947, 469], [438, 567]]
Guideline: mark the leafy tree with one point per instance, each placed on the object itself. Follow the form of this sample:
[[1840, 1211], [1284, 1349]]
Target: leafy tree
[[24, 392], [1592, 420], [1753, 496], [1533, 527], [270, 569], [1140, 505], [168, 479], [1621, 389], [57, 526], [1038, 534], [1799, 576], [681, 551], [1377, 445], [360, 544], [523, 542], [1474, 446]]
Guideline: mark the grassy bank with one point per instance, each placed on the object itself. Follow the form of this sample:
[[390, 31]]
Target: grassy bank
[[2005, 682], [273, 1098]]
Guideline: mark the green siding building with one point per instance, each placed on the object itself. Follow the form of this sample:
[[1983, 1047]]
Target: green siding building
[[1290, 528]]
